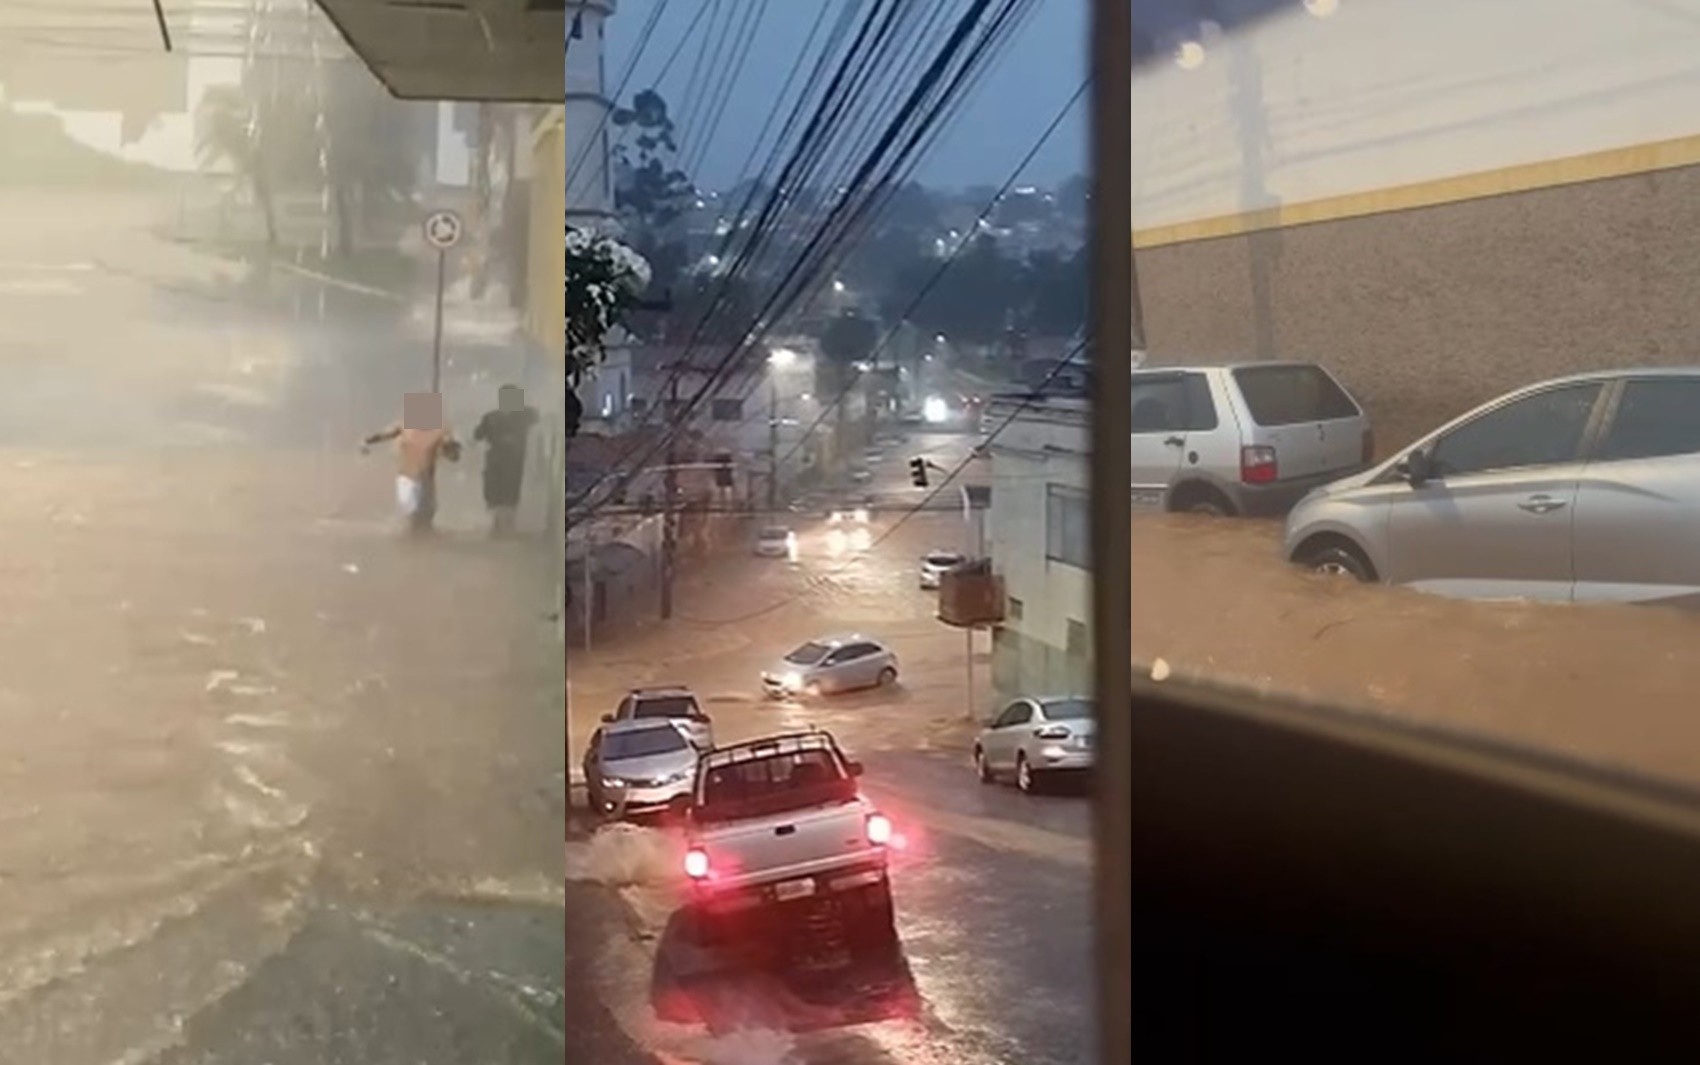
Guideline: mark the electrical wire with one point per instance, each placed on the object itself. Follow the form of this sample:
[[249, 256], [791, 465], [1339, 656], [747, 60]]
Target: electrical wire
[[827, 111], [722, 94], [961, 246], [928, 100], [713, 41], [762, 220]]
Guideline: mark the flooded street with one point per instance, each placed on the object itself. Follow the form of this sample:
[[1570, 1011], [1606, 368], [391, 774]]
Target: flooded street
[[1603, 684], [244, 720]]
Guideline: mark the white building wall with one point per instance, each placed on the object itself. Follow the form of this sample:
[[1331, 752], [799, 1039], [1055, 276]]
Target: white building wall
[[590, 193], [1031, 652], [1379, 95]]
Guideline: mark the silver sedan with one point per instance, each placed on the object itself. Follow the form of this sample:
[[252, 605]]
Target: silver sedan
[[639, 766], [1036, 739]]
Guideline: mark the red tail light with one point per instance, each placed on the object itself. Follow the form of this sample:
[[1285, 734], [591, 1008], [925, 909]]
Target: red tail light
[[879, 829], [1258, 466], [696, 863], [1053, 732]]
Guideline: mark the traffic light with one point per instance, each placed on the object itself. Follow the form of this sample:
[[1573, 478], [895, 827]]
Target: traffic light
[[723, 470], [918, 472]]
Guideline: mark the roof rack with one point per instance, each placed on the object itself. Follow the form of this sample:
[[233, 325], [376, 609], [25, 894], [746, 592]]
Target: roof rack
[[640, 690], [813, 739]]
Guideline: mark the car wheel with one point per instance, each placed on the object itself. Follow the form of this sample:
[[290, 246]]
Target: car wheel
[[888, 677], [1026, 778], [982, 771], [1338, 560]]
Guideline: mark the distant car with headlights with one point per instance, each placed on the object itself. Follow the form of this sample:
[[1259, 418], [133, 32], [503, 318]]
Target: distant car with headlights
[[935, 564], [776, 541], [1035, 740], [829, 665], [673, 702], [639, 767], [779, 825]]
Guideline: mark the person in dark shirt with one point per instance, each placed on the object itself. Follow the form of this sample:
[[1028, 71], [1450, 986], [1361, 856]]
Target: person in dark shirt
[[506, 431]]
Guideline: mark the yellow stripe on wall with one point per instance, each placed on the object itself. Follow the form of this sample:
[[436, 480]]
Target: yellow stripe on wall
[[1593, 166]]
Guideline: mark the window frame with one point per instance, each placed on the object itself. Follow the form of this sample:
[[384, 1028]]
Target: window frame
[[1081, 501], [1614, 410], [1584, 441]]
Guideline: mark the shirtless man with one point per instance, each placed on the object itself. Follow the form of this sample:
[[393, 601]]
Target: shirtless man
[[421, 439]]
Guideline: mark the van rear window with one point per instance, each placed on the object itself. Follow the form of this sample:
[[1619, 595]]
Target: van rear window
[[1290, 395]]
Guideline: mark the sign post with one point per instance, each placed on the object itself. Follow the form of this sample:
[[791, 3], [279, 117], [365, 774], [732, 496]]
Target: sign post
[[442, 232]]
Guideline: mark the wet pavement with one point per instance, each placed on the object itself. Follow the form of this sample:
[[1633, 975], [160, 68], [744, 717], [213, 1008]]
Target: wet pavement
[[992, 886], [282, 786]]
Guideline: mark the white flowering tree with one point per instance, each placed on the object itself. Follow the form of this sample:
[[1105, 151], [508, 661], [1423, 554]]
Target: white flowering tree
[[605, 280]]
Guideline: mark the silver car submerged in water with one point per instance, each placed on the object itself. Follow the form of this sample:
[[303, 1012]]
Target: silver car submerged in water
[[831, 664], [1581, 489], [639, 766]]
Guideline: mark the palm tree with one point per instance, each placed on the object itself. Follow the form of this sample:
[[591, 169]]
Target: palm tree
[[374, 151], [227, 132]]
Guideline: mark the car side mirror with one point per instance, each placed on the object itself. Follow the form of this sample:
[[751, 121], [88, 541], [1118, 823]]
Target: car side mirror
[[607, 719], [854, 769], [1417, 468]]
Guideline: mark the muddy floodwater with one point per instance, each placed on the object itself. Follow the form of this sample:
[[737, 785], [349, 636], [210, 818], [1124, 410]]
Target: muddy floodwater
[[1605, 684]]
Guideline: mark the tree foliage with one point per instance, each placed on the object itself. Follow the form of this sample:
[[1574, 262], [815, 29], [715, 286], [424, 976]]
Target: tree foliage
[[349, 138]]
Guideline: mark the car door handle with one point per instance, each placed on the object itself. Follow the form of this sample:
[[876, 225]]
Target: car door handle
[[1541, 504], [1176, 441]]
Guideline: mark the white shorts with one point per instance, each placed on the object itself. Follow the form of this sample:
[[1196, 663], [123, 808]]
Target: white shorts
[[408, 494]]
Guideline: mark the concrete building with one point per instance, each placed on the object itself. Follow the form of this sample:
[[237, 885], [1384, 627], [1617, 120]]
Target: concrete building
[[587, 107], [1040, 545], [1439, 199]]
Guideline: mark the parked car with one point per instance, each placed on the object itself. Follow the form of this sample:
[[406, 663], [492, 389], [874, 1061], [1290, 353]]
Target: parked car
[[831, 664], [1248, 439], [1035, 740], [777, 827], [935, 564], [670, 702], [1585, 488], [639, 767], [776, 541]]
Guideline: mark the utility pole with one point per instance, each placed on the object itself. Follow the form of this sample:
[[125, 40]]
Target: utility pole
[[669, 502], [772, 444]]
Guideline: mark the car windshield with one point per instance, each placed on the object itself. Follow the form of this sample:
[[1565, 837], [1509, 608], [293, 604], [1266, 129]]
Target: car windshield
[[773, 785], [775, 533], [944, 559], [808, 654], [642, 743], [1069, 709], [666, 706]]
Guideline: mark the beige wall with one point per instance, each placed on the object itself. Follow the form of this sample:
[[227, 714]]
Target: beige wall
[[546, 267], [1427, 312]]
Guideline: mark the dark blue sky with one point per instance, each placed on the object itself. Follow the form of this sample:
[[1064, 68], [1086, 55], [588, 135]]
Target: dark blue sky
[[1032, 79]]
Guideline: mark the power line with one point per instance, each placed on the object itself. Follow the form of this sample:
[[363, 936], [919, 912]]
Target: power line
[[928, 100], [712, 41], [956, 252], [722, 93]]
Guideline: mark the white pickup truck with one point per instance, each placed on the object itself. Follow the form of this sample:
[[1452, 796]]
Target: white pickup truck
[[778, 826]]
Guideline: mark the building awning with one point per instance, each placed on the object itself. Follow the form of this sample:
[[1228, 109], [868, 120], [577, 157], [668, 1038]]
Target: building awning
[[507, 51]]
